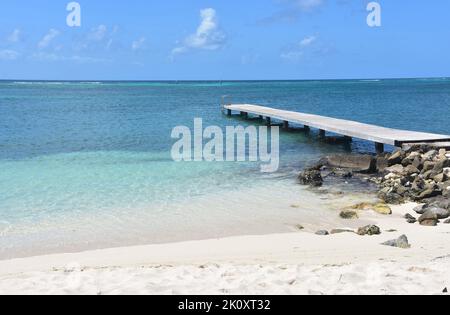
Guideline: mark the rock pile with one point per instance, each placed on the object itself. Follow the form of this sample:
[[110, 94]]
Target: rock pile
[[417, 173]]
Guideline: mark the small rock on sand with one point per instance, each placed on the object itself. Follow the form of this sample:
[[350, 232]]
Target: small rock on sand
[[322, 233], [382, 208], [410, 219], [349, 214], [369, 230], [401, 242]]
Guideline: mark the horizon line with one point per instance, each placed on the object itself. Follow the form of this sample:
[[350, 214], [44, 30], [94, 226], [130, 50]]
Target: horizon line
[[217, 80]]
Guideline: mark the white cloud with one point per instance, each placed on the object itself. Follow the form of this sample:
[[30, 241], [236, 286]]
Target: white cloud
[[98, 33], [15, 36], [42, 56], [8, 55], [207, 37], [47, 39], [99, 37], [297, 51], [291, 10], [307, 41], [138, 44], [307, 5]]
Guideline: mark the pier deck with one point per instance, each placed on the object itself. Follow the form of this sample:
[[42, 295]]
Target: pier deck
[[347, 128]]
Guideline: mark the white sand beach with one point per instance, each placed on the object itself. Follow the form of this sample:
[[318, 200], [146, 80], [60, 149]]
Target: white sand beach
[[295, 263]]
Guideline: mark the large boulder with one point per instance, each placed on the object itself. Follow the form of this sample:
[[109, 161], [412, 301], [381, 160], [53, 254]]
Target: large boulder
[[357, 163], [439, 212], [428, 219]]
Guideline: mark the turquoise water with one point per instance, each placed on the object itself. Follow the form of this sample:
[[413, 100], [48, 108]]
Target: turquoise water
[[87, 164]]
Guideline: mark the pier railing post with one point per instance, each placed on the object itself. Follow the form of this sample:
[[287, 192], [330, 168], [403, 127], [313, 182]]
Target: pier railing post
[[379, 147], [285, 125]]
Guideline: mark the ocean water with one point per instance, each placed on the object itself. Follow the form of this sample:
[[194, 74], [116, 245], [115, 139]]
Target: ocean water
[[86, 165]]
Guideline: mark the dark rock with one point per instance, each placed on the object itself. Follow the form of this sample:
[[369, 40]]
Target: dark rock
[[428, 193], [349, 214], [396, 158], [429, 175], [439, 212], [311, 177], [410, 219], [441, 164], [369, 230], [357, 163], [439, 202], [428, 166], [410, 169], [417, 163], [401, 242], [322, 233], [420, 209], [401, 190], [391, 198], [447, 221], [428, 219], [347, 175], [418, 185]]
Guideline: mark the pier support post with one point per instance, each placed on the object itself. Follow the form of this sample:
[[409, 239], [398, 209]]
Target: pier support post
[[348, 139], [269, 121], [379, 147], [307, 128], [229, 112], [285, 125], [322, 133], [244, 114]]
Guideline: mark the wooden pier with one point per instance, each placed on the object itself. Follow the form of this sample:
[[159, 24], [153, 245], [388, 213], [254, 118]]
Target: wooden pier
[[349, 129]]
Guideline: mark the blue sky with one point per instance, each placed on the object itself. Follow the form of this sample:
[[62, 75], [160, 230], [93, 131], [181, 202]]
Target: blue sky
[[220, 40]]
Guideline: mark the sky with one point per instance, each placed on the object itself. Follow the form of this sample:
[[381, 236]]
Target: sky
[[223, 40]]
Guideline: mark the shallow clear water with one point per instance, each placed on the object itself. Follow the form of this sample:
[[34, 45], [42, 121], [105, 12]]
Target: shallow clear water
[[87, 164]]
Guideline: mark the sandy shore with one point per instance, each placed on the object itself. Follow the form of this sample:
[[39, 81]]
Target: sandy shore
[[295, 263]]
